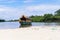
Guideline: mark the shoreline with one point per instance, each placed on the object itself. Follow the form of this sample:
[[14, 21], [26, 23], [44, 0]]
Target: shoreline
[[31, 33]]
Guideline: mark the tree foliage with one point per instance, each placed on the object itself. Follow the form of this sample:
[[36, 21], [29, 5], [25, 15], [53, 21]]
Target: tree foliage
[[57, 13], [47, 17], [2, 20]]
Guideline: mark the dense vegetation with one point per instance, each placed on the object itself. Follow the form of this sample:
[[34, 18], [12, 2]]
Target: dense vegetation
[[2, 20], [47, 17]]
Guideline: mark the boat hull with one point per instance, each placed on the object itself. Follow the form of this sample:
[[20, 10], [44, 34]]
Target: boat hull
[[25, 23]]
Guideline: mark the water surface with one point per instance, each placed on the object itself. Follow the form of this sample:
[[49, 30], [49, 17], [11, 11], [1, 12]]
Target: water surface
[[12, 25]]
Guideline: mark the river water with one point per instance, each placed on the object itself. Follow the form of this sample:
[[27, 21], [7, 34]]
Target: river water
[[13, 25]]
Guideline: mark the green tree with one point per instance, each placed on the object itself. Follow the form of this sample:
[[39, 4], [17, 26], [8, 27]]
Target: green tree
[[57, 13], [37, 18], [48, 17], [2, 20]]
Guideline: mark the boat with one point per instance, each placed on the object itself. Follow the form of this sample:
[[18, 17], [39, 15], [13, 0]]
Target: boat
[[24, 21]]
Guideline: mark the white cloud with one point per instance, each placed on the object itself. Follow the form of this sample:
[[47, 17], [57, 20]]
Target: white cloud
[[43, 8], [8, 1], [11, 13], [27, 1], [14, 13]]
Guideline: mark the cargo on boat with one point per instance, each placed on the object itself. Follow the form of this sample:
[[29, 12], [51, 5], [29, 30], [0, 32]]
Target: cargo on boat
[[24, 20]]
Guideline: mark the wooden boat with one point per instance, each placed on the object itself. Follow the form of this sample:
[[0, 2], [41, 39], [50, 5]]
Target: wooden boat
[[25, 21]]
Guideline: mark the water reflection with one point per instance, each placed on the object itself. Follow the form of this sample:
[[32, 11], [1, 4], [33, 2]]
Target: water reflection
[[24, 26], [52, 24]]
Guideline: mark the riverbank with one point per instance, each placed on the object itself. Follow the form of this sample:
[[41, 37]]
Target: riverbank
[[31, 33]]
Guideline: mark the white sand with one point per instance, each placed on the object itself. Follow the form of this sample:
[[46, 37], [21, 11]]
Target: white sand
[[31, 33]]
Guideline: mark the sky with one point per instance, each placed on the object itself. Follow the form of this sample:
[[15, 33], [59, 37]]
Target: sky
[[14, 9]]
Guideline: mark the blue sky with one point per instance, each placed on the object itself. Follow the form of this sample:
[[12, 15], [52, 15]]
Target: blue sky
[[13, 9]]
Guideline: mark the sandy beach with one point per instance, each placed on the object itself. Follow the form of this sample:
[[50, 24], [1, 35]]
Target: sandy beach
[[31, 33]]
